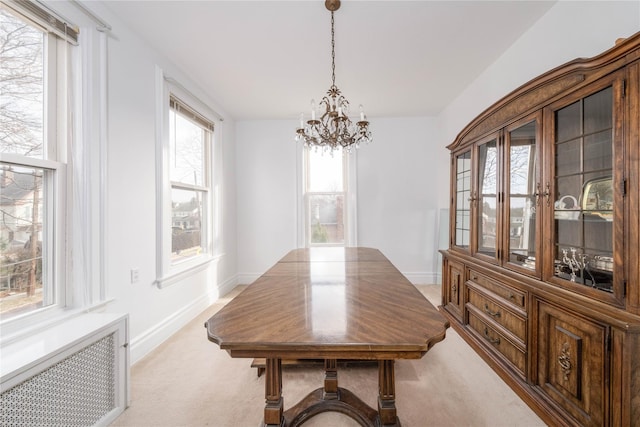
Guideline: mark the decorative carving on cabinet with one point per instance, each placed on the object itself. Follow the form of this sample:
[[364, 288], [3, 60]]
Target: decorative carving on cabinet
[[565, 360], [569, 355], [522, 103]]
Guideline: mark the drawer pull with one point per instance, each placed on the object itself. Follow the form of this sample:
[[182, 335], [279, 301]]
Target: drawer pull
[[489, 312], [495, 341]]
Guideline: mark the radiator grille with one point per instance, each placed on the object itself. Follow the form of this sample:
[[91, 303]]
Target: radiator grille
[[77, 391]]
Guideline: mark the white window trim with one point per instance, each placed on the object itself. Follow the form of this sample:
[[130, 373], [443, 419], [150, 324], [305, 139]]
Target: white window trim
[[79, 188], [351, 198], [168, 274]]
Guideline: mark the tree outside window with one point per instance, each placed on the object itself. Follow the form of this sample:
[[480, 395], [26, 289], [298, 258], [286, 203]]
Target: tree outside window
[[22, 184]]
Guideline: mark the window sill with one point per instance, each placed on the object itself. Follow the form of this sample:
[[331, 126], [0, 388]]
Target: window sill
[[183, 271], [16, 330]]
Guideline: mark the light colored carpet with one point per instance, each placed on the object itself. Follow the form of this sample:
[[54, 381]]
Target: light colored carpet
[[188, 381]]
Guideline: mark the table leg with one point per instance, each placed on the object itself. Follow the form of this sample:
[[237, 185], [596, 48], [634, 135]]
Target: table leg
[[387, 394], [330, 379], [273, 394]]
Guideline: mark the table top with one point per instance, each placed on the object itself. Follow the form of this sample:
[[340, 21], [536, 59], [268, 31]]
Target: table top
[[329, 303]]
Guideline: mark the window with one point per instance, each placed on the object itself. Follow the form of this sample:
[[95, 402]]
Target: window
[[326, 198], [190, 141], [185, 202], [32, 163]]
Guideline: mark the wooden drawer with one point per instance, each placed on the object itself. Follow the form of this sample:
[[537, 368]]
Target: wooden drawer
[[509, 294], [515, 356], [498, 312]]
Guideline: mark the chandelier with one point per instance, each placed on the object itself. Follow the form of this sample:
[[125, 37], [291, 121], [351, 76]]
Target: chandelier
[[333, 129]]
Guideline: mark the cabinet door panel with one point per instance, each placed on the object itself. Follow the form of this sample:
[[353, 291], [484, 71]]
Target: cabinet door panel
[[523, 196], [453, 293], [585, 214], [462, 200], [487, 216], [572, 363]]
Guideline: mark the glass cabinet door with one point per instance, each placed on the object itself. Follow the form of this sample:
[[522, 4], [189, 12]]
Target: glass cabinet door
[[523, 194], [583, 203], [462, 200], [487, 199]]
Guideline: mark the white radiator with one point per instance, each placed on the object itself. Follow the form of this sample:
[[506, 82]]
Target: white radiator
[[72, 374]]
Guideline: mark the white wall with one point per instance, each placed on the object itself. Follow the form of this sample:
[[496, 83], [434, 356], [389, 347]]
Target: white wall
[[154, 313], [399, 178], [266, 184]]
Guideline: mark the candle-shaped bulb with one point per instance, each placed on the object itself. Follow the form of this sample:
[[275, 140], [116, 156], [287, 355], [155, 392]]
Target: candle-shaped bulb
[[361, 113], [313, 109], [301, 120]]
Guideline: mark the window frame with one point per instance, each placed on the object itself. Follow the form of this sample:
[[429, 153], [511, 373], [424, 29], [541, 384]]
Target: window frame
[[349, 197], [55, 251], [167, 272]]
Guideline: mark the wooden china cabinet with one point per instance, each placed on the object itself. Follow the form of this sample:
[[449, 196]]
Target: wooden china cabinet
[[542, 274]]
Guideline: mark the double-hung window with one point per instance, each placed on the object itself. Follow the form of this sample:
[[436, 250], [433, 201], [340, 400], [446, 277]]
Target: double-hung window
[[33, 160], [190, 138], [326, 213], [186, 199]]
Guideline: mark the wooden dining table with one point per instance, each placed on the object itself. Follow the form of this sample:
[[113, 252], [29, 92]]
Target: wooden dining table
[[329, 304]]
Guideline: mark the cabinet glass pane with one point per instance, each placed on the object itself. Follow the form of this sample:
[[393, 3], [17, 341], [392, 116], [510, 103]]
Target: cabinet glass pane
[[522, 199], [583, 207], [463, 203], [488, 197]]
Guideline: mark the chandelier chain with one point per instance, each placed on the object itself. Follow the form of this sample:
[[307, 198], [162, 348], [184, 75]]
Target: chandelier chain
[[333, 52]]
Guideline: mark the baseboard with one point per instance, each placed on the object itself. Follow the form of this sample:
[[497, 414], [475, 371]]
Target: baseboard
[[423, 278], [227, 286], [247, 278], [147, 341]]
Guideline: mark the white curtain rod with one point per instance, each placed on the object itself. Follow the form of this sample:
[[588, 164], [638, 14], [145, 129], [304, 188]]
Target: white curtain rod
[[102, 26], [181, 87]]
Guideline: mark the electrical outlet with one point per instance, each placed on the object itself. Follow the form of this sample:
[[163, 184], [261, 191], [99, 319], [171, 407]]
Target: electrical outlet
[[135, 275]]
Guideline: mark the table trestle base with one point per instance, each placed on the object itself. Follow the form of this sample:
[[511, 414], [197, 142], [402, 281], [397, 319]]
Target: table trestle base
[[330, 398]]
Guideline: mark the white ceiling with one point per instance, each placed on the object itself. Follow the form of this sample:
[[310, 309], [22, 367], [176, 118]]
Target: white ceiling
[[268, 59]]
